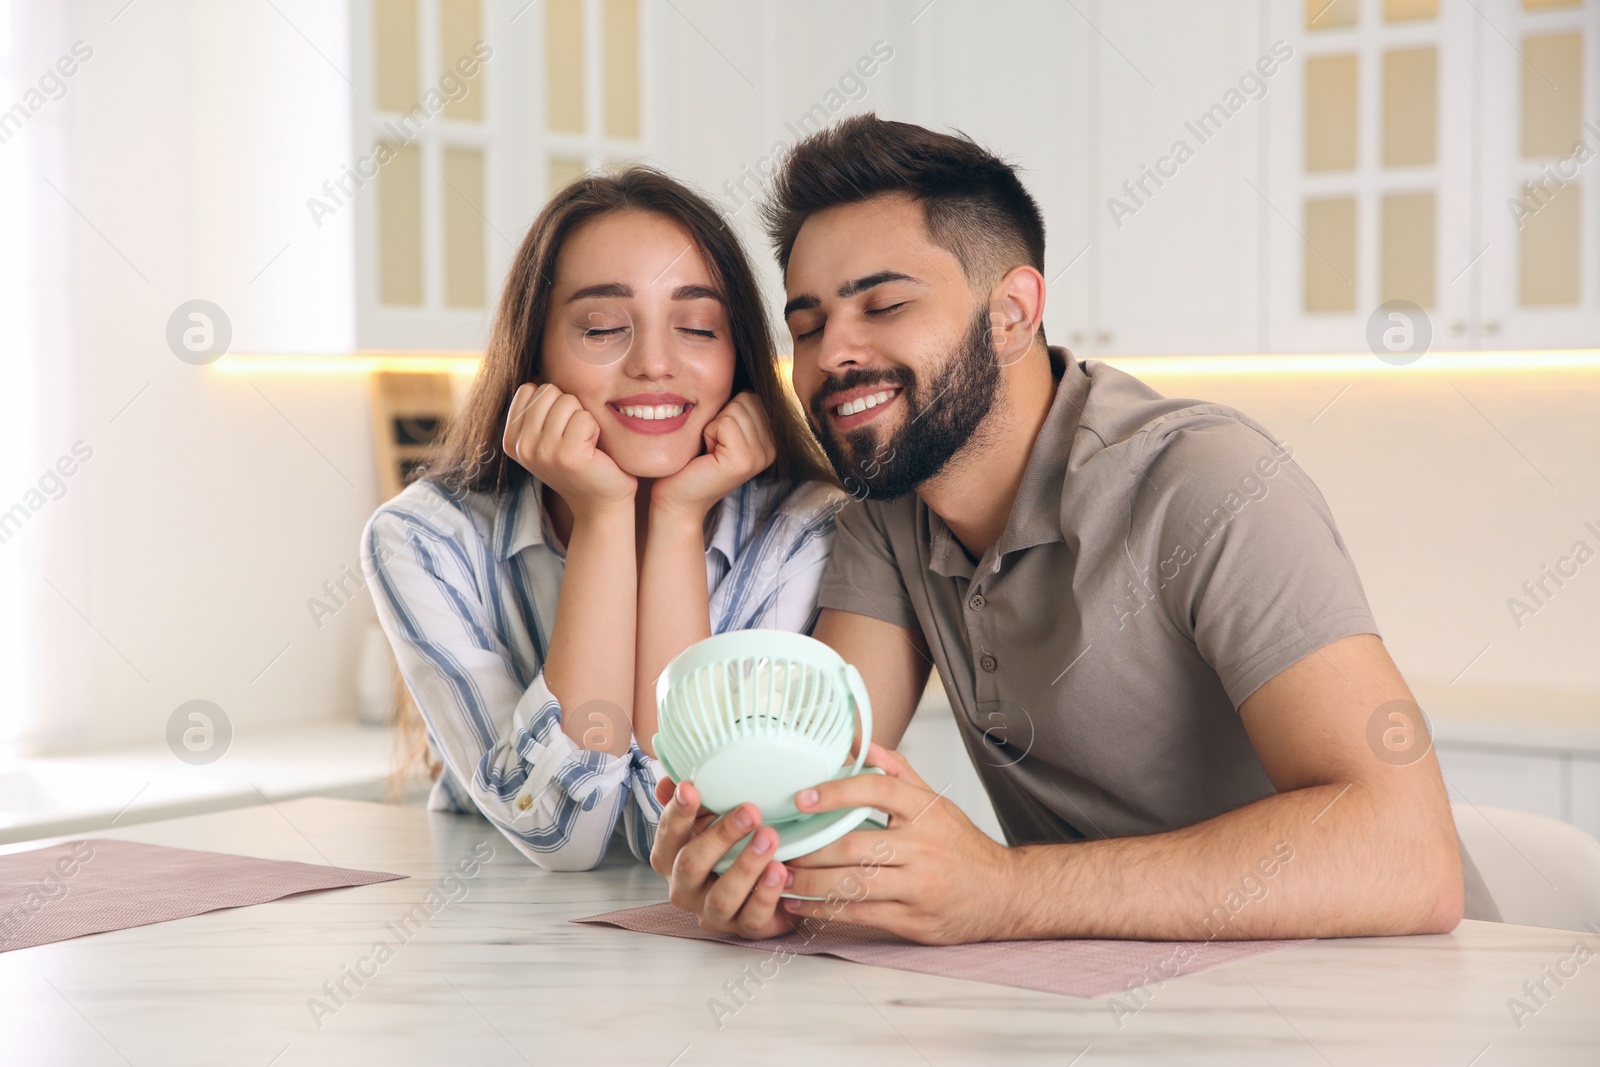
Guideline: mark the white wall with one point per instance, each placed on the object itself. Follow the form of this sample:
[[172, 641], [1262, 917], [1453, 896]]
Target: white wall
[[1438, 483], [215, 505]]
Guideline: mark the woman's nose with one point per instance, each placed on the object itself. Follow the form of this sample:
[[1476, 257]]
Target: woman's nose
[[651, 355]]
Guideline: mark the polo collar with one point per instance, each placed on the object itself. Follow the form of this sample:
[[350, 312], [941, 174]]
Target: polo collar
[[1036, 513]]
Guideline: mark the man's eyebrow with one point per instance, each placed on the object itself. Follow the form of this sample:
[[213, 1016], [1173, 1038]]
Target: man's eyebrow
[[853, 288], [603, 289], [861, 285], [696, 292], [800, 303]]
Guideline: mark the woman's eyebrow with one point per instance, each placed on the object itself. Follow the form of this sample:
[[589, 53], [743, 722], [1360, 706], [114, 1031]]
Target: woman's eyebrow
[[620, 290], [603, 289], [696, 292]]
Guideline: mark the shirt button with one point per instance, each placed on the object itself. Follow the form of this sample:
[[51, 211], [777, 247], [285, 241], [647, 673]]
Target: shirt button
[[988, 663], [977, 602], [524, 802]]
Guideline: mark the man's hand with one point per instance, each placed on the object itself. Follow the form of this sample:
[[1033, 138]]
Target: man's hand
[[931, 877], [738, 443], [689, 840]]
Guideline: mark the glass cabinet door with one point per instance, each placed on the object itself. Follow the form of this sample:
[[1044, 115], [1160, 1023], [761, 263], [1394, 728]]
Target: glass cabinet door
[[1539, 165], [1371, 172]]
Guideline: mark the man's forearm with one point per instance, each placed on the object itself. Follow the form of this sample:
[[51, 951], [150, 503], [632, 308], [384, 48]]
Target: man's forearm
[[1323, 861]]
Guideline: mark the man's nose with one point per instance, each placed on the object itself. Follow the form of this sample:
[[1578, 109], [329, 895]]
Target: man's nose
[[841, 350]]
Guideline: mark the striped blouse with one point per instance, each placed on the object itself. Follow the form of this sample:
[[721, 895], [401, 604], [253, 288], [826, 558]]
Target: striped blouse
[[466, 587]]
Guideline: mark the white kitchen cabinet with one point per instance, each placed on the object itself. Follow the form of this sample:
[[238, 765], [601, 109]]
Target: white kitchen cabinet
[[450, 167], [1539, 278], [1366, 212], [1177, 112]]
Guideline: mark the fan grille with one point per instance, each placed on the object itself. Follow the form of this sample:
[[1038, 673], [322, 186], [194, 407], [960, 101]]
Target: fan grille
[[757, 696]]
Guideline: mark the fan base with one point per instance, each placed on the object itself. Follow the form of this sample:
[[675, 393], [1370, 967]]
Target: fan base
[[805, 835]]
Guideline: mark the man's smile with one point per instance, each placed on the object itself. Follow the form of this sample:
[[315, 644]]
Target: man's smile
[[857, 407]]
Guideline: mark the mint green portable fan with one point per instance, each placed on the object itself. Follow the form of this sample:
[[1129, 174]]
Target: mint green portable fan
[[755, 716]]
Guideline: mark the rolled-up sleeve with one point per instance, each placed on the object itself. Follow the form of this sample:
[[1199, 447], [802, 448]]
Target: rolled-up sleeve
[[1249, 563], [502, 741], [862, 574]]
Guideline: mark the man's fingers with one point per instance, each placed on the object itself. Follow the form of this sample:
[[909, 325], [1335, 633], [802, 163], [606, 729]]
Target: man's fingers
[[675, 827], [859, 850], [897, 796], [696, 859], [709, 846], [854, 883], [889, 915], [689, 798], [761, 917], [732, 889], [893, 764]]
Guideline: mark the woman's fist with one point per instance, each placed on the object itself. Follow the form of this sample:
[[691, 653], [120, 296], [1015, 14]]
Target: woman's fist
[[558, 442], [738, 447]]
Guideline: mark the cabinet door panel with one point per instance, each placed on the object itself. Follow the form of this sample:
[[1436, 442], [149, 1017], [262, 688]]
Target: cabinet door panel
[[1177, 122], [1584, 806], [1540, 194], [1368, 191], [1504, 780]]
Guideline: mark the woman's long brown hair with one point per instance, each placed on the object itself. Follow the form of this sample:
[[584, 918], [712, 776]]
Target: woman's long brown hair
[[470, 456]]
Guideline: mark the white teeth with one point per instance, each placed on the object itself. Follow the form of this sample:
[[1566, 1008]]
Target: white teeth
[[850, 407], [659, 411]]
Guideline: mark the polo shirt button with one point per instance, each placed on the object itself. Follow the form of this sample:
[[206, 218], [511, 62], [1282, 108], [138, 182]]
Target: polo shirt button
[[524, 802], [988, 663], [977, 602]]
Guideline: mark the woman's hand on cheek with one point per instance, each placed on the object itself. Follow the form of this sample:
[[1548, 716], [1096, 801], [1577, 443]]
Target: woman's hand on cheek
[[558, 442], [739, 446]]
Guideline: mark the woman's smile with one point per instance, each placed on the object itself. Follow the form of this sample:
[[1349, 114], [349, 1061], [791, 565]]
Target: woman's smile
[[654, 413]]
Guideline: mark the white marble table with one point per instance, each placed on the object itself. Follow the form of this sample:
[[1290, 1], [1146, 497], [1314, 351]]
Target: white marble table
[[500, 976]]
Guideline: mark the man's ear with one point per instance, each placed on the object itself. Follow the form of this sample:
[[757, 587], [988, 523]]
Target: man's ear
[[1016, 310]]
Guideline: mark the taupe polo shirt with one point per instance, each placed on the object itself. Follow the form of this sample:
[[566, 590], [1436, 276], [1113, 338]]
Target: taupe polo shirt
[[1163, 559]]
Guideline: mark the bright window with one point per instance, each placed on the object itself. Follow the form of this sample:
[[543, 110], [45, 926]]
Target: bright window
[[19, 430]]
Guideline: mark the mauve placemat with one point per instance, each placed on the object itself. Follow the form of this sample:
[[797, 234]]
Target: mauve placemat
[[89, 887], [1074, 968]]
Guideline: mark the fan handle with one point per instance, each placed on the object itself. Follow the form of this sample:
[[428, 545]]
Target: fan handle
[[863, 709]]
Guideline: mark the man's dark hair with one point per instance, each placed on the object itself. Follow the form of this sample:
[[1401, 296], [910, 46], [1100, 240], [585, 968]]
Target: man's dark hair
[[973, 205]]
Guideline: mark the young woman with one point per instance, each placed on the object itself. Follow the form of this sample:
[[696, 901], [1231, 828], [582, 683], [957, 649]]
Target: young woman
[[626, 477]]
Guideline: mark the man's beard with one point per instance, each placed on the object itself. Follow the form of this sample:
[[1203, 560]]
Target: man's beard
[[939, 420]]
